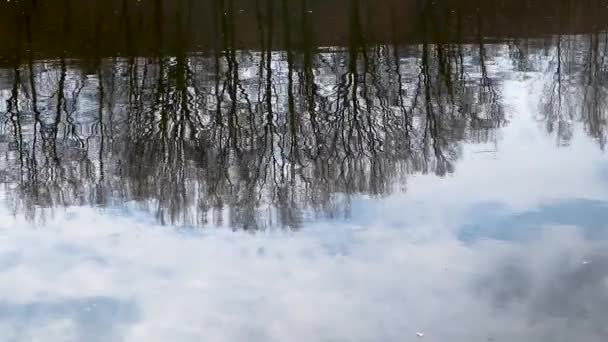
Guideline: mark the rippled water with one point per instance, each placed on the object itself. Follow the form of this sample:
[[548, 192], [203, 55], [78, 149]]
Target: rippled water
[[269, 170]]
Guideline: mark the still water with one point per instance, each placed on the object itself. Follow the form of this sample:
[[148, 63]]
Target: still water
[[272, 170]]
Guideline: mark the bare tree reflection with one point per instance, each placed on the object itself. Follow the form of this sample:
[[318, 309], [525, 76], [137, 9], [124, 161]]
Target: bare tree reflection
[[578, 88], [245, 138]]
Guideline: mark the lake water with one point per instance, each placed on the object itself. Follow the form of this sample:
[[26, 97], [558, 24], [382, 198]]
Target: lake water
[[273, 170]]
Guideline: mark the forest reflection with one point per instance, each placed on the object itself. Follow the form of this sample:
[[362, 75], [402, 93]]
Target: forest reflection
[[577, 86], [299, 132], [253, 138]]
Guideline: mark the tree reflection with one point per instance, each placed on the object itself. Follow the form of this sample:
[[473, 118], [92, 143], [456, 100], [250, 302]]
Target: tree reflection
[[245, 138], [578, 87]]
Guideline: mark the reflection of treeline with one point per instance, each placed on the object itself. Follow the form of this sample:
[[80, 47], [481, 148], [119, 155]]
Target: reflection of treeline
[[254, 138], [576, 84], [52, 28]]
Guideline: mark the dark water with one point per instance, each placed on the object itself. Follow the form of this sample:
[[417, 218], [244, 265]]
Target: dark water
[[446, 157]]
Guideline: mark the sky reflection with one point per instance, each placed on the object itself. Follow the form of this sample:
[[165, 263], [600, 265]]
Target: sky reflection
[[511, 247], [311, 170]]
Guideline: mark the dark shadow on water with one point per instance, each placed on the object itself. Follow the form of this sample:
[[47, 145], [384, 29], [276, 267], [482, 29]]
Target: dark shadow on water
[[144, 28]]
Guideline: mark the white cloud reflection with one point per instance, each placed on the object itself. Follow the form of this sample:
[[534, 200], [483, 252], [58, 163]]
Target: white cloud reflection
[[101, 278]]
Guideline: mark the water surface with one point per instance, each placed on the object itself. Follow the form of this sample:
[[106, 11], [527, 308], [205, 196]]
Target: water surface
[[303, 170]]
